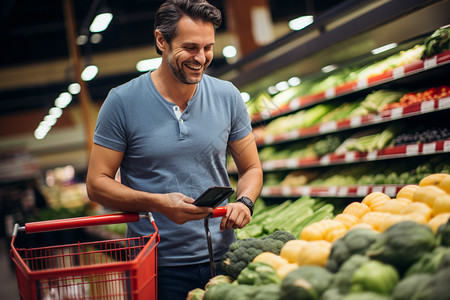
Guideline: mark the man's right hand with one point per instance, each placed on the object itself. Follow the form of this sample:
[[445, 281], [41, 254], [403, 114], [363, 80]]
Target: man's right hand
[[179, 208]]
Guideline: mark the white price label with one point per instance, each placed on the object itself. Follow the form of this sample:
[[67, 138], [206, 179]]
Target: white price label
[[355, 121], [330, 93], [391, 191], [294, 104], [290, 135], [332, 191], [325, 160], [396, 112], [343, 191], [362, 83], [327, 127], [444, 103], [306, 191], [372, 155], [377, 189], [362, 190], [426, 106], [286, 191], [429, 148], [430, 62], [447, 146], [377, 118], [265, 191], [398, 72], [292, 163], [412, 149], [268, 165], [350, 156], [268, 139]]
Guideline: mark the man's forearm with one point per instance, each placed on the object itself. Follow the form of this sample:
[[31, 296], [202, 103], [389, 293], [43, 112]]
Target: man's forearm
[[250, 183]]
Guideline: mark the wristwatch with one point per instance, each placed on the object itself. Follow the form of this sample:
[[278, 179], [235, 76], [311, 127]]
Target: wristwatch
[[247, 202]]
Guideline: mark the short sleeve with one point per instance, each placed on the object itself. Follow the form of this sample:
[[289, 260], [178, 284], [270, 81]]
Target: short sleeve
[[240, 123]]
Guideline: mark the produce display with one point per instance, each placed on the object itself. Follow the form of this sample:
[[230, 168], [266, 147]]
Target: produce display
[[379, 248]]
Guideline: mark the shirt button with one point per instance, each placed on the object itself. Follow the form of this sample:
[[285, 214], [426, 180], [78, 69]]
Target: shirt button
[[181, 121]]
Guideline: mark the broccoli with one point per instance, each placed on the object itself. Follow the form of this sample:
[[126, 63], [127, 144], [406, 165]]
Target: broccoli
[[281, 235], [242, 252]]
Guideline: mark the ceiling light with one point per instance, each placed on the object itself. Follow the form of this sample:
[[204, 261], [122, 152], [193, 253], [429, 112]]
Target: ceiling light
[[96, 38], [74, 88], [294, 81], [101, 22], [329, 68], [63, 100], [82, 39], [272, 90], [384, 48], [282, 86], [301, 22], [148, 64], [55, 111], [89, 73], [229, 51], [245, 96]]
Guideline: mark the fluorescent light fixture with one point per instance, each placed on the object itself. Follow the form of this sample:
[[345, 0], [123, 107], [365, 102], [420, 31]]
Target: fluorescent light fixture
[[89, 73], [82, 39], [294, 81], [101, 22], [282, 86], [245, 96], [272, 90], [301, 22], [329, 68], [50, 120], [41, 132], [229, 51], [384, 48], [148, 64], [74, 88], [55, 111], [63, 100], [96, 38]]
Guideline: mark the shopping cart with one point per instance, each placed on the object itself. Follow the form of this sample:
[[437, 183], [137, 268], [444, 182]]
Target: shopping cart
[[113, 269]]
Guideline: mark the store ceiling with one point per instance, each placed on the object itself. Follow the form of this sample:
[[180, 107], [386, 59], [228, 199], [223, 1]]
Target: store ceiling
[[34, 32]]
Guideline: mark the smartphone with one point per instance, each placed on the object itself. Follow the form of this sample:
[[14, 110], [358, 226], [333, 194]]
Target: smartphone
[[214, 196]]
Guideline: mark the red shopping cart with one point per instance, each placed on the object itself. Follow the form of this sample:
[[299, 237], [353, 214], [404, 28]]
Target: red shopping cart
[[111, 269]]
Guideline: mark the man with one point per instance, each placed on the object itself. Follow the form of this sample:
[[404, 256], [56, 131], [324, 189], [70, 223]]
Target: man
[[168, 131]]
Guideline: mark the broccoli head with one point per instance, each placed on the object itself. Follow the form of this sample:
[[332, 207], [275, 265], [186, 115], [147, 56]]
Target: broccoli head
[[281, 235]]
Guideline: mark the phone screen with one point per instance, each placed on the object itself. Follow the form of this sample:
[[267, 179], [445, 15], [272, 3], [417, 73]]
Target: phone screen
[[214, 196]]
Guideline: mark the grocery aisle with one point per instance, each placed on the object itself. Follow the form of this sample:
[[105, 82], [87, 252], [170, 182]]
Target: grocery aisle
[[8, 283]]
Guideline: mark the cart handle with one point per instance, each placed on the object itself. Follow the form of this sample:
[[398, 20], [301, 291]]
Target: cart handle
[[72, 223]]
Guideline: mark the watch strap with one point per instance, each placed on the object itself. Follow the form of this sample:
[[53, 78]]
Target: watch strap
[[247, 202]]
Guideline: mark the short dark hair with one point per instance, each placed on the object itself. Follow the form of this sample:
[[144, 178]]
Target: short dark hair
[[171, 11]]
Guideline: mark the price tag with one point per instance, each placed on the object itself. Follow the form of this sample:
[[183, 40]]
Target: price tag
[[292, 163], [396, 112], [362, 83], [362, 190], [294, 104], [332, 191], [286, 191], [372, 155], [426, 106], [268, 139], [350, 156], [265, 191], [290, 135], [343, 191], [398, 72], [430, 62], [377, 189], [391, 191], [268, 165], [412, 149], [429, 148], [355, 121], [327, 127], [377, 118], [306, 190], [325, 160], [444, 103], [330, 93], [447, 146]]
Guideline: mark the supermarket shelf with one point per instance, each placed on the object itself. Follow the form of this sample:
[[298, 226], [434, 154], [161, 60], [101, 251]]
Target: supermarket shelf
[[360, 121], [357, 85], [349, 191], [355, 156]]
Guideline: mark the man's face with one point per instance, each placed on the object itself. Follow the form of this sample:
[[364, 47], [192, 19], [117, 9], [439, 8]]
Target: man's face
[[191, 51]]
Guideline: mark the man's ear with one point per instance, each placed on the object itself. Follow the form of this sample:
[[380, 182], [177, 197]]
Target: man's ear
[[160, 41]]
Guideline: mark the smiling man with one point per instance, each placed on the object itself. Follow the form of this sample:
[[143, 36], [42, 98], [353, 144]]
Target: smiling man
[[169, 131]]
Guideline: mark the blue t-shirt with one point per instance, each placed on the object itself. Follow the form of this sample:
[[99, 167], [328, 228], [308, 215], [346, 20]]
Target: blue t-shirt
[[166, 153]]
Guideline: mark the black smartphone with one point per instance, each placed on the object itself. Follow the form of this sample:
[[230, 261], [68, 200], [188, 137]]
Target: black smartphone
[[214, 196]]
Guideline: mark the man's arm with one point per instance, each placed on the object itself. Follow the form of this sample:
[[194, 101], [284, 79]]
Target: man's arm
[[105, 190], [245, 155]]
